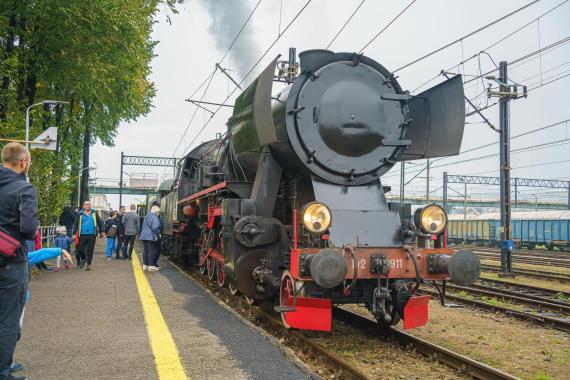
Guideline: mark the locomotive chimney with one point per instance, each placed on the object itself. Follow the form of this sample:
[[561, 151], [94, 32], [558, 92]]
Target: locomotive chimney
[[292, 56], [311, 60], [292, 67]]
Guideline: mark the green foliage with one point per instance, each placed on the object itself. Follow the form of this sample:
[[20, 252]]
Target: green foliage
[[561, 297], [94, 54], [490, 300], [542, 376]]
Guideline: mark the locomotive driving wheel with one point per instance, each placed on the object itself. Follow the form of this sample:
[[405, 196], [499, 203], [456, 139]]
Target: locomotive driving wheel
[[287, 292], [211, 267], [221, 275], [286, 295]]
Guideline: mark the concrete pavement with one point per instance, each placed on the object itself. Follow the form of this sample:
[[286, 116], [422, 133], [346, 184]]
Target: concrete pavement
[[91, 325]]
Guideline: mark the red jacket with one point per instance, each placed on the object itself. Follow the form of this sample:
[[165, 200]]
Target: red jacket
[[38, 240]]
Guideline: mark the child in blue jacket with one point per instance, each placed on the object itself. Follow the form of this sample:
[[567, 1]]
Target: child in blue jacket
[[64, 242]]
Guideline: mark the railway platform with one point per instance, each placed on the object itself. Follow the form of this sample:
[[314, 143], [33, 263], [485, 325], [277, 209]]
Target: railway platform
[[118, 322]]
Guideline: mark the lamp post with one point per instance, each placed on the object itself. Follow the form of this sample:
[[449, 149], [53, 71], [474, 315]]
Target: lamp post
[[79, 183], [28, 116], [94, 185]]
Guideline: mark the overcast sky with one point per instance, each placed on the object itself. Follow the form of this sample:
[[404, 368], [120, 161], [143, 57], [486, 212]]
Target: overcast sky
[[190, 46]]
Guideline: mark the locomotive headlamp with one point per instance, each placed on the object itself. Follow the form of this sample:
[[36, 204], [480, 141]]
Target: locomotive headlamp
[[316, 217], [432, 219]]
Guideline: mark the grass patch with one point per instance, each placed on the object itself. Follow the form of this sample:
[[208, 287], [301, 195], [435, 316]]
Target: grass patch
[[542, 376], [464, 294], [490, 300]]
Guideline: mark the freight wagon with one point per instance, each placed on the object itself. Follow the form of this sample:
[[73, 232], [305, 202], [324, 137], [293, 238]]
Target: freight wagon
[[529, 229]]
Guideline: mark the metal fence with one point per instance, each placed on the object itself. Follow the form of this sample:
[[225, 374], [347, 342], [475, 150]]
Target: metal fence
[[47, 234]]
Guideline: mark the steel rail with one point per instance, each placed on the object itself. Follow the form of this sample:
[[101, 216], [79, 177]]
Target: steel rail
[[529, 300], [532, 273], [542, 320], [547, 295], [551, 292], [452, 359], [533, 261], [346, 367], [521, 251], [565, 256]]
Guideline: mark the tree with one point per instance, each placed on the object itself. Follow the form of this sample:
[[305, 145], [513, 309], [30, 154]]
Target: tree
[[94, 54]]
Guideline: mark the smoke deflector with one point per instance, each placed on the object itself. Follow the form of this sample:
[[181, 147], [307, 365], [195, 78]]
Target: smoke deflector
[[438, 120]]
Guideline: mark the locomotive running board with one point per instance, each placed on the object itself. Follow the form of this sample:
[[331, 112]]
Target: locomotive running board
[[310, 314], [416, 312]]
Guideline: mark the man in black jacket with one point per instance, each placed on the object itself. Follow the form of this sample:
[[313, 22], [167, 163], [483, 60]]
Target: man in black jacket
[[66, 219], [18, 217], [120, 232]]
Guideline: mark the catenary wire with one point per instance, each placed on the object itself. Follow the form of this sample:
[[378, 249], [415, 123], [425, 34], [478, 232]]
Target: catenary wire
[[528, 90], [465, 36], [247, 74], [211, 76], [346, 23], [387, 26], [194, 114], [486, 146], [493, 44]]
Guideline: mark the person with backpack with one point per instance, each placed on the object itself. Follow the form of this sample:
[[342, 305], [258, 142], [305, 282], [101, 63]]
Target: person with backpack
[[18, 223], [87, 225], [111, 230], [150, 234]]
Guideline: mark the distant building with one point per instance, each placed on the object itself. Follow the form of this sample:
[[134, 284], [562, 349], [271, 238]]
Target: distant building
[[100, 202], [143, 181]]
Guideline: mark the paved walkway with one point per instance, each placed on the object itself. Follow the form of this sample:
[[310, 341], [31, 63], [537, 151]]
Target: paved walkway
[[117, 322]]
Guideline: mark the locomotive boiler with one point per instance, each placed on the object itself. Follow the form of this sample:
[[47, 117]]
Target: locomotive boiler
[[288, 204]]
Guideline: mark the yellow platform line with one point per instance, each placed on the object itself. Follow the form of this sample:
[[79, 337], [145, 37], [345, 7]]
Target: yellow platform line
[[166, 358]]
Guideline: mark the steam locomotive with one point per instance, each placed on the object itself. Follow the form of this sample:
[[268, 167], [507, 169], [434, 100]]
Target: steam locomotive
[[288, 205]]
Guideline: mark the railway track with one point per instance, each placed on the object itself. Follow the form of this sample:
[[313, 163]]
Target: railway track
[[482, 297], [461, 363], [433, 351], [542, 261], [562, 277], [525, 252], [527, 289], [538, 302], [469, 366]]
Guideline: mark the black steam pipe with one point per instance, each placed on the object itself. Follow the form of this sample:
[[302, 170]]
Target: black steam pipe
[[416, 268], [349, 288]]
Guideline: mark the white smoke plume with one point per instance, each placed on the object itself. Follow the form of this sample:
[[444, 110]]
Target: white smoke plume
[[228, 17]]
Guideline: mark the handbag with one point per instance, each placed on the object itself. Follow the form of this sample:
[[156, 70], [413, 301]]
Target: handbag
[[8, 245]]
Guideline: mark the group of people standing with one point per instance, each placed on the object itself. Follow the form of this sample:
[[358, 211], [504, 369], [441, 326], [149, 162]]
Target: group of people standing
[[121, 229]]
